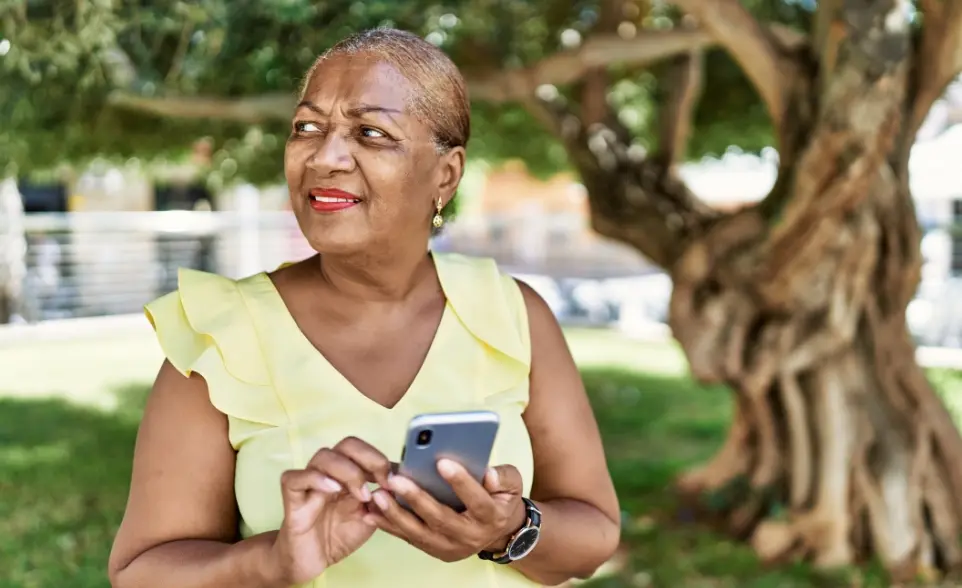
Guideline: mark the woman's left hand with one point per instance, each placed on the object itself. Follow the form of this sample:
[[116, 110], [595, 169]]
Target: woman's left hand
[[494, 512]]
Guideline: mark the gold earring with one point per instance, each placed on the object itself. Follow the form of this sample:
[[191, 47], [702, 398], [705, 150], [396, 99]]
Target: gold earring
[[438, 220]]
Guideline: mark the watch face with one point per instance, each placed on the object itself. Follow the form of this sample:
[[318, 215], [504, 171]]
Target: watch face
[[524, 543]]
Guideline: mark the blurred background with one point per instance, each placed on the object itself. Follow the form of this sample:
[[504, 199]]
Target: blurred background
[[139, 138], [110, 237]]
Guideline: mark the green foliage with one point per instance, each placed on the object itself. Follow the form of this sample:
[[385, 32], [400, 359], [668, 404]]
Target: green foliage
[[62, 59], [500, 132]]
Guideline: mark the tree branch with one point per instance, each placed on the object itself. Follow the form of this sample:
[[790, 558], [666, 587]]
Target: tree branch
[[753, 47], [634, 199], [827, 37], [638, 200], [939, 59], [684, 79], [182, 46], [594, 83], [252, 110], [843, 163], [646, 48]]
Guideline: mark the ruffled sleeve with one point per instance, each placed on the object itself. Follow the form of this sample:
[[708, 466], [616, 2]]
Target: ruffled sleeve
[[204, 327]]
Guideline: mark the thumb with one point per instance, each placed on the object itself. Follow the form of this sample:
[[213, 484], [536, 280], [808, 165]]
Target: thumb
[[503, 479]]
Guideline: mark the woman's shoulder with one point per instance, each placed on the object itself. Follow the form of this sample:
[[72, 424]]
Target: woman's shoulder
[[483, 275], [472, 268], [478, 280], [488, 301]]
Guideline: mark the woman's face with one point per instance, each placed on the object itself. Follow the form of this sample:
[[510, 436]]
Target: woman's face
[[362, 170]]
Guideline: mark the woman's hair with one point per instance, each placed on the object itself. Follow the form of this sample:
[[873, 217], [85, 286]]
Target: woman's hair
[[441, 96]]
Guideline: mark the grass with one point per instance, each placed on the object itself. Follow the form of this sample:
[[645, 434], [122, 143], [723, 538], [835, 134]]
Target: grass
[[69, 413]]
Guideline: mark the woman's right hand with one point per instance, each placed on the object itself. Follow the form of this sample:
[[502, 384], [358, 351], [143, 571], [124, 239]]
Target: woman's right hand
[[324, 509]]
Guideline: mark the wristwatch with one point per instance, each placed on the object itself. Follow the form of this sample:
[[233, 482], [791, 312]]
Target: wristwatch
[[522, 542]]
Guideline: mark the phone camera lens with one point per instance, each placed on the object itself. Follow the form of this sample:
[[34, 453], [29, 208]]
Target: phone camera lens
[[424, 437]]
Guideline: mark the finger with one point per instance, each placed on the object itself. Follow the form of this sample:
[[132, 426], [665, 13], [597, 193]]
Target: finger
[[378, 520], [372, 461], [435, 515], [476, 499], [343, 470], [297, 486], [304, 493], [504, 479], [406, 525]]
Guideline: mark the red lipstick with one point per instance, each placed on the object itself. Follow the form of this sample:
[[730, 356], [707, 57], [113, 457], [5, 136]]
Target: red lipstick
[[331, 199]]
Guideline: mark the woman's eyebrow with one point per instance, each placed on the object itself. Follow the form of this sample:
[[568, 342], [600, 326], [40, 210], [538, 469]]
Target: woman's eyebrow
[[355, 112]]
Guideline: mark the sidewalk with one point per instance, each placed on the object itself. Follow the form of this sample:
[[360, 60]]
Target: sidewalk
[[79, 328]]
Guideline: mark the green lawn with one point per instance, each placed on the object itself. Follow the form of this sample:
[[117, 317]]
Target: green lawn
[[69, 413]]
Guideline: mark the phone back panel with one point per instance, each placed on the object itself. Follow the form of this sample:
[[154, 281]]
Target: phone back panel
[[464, 437]]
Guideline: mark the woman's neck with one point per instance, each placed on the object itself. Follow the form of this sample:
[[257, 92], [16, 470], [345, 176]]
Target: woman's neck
[[388, 277]]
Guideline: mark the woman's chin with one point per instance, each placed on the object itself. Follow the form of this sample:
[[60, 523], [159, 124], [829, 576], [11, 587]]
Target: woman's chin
[[331, 244]]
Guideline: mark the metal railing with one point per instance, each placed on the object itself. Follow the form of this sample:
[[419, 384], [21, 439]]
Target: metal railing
[[104, 263], [110, 263]]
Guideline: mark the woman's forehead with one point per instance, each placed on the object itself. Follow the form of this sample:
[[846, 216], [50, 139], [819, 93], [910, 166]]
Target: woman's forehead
[[355, 80]]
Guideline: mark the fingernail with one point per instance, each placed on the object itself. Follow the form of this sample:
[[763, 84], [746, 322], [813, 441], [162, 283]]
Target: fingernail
[[401, 485], [448, 468], [365, 494], [495, 481], [330, 485], [381, 501]]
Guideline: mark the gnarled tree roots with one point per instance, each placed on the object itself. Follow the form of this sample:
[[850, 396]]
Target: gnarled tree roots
[[839, 449]]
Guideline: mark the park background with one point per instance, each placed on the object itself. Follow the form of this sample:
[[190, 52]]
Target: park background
[[612, 139]]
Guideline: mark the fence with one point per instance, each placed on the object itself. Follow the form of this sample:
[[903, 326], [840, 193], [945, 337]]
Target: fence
[[111, 263], [106, 263]]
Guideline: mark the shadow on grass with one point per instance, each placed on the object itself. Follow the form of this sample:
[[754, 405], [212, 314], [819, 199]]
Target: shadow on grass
[[654, 426], [65, 469], [64, 474]]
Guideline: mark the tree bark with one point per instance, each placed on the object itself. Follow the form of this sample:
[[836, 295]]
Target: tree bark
[[839, 449]]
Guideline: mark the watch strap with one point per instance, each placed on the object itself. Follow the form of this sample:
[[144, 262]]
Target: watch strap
[[503, 558], [532, 521]]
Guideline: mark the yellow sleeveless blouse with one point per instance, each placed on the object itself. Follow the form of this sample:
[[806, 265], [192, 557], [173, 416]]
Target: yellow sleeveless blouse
[[284, 401]]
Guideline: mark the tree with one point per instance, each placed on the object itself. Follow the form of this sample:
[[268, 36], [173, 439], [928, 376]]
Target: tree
[[839, 448]]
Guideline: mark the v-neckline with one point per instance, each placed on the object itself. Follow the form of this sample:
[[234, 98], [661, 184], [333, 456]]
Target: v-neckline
[[317, 356]]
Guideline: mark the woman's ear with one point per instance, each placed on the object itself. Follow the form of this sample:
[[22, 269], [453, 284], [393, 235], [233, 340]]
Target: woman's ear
[[450, 171]]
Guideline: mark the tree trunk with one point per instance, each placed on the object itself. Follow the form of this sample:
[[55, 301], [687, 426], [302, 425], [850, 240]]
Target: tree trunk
[[839, 449]]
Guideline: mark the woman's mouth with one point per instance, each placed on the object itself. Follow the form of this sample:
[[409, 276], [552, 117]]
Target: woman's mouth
[[331, 199]]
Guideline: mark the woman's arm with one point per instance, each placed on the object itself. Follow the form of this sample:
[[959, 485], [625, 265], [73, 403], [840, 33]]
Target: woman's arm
[[180, 526], [572, 486]]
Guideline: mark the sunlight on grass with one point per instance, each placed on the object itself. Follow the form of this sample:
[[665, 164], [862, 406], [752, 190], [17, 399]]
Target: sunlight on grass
[[599, 348], [69, 414], [83, 371]]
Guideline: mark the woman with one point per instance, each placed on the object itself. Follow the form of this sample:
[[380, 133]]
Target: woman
[[264, 456]]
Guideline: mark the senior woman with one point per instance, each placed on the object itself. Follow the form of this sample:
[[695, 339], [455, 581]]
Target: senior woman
[[264, 456]]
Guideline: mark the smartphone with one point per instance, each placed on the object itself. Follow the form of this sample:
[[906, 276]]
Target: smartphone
[[464, 437]]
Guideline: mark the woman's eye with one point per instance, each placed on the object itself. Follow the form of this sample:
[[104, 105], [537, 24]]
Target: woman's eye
[[306, 127], [372, 133]]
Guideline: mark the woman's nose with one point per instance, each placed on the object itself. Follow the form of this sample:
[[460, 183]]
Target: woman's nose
[[333, 155]]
